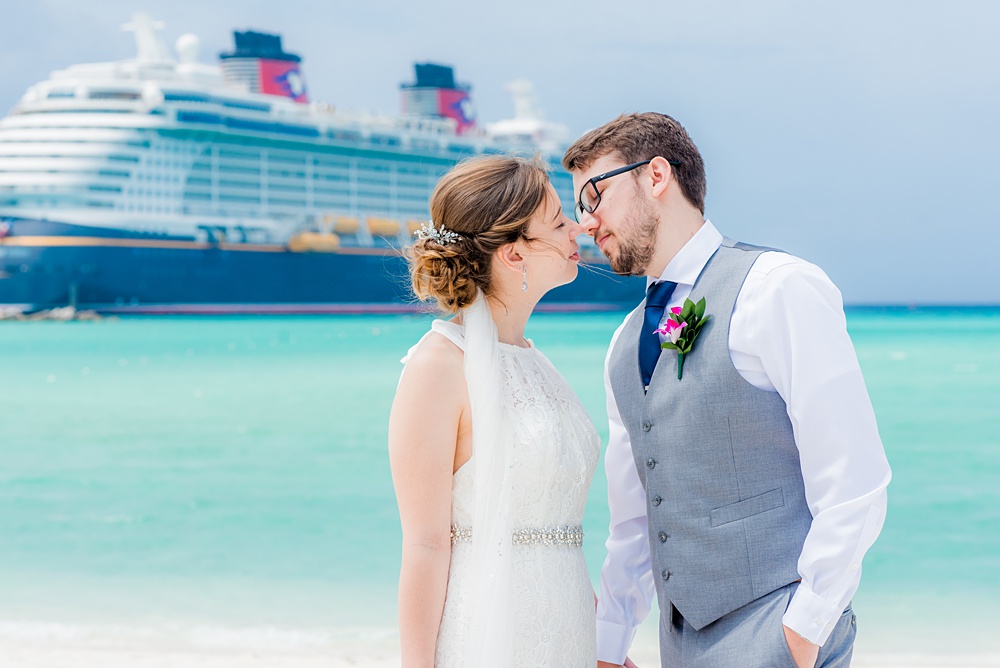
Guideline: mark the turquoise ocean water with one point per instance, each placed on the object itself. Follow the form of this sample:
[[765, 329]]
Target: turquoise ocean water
[[231, 473]]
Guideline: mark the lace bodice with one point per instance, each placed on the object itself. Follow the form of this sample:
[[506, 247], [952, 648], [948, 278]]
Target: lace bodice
[[556, 450], [556, 446]]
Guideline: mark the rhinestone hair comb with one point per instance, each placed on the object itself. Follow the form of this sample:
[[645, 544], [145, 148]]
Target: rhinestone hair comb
[[438, 234]]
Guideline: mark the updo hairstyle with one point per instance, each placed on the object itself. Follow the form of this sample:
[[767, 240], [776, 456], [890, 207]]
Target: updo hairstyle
[[488, 201]]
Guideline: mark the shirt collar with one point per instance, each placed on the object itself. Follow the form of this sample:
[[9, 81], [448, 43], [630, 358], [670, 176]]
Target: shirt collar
[[686, 266]]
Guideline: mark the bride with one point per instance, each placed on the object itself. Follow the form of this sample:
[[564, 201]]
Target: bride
[[492, 453]]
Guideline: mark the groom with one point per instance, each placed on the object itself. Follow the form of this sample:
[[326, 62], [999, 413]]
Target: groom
[[746, 489]]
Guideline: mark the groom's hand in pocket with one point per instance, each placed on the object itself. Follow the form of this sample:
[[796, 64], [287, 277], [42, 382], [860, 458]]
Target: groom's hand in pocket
[[804, 652]]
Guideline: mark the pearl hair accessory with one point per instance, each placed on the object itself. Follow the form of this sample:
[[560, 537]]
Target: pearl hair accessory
[[437, 234]]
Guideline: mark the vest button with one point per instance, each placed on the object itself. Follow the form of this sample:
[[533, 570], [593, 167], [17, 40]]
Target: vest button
[[657, 500], [663, 537], [646, 426], [666, 574], [650, 463]]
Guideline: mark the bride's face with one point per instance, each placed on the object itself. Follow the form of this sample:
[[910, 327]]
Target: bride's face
[[552, 257]]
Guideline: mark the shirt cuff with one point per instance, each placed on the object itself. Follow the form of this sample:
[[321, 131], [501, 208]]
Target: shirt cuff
[[613, 641], [811, 616]]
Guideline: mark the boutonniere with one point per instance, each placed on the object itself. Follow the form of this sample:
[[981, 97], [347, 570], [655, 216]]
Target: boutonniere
[[682, 328]]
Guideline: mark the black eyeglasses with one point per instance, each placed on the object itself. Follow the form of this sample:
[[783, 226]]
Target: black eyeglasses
[[590, 196]]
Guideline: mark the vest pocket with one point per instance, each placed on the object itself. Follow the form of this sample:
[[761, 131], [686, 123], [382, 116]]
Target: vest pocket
[[747, 507]]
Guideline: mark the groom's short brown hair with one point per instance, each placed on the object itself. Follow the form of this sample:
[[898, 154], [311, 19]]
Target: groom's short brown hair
[[638, 137]]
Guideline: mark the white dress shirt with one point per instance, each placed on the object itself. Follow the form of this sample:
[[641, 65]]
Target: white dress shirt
[[788, 335]]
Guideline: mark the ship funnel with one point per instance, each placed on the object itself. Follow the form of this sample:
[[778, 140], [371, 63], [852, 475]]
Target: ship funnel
[[436, 95], [262, 66]]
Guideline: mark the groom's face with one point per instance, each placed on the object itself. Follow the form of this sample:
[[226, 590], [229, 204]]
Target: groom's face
[[624, 224]]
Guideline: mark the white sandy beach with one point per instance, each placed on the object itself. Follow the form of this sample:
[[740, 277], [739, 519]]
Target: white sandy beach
[[56, 646], [891, 637], [22, 656]]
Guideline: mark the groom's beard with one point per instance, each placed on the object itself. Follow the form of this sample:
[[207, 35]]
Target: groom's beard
[[637, 240]]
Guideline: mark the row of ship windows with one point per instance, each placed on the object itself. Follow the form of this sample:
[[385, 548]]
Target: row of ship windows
[[239, 164], [402, 191], [366, 203], [206, 99], [206, 186], [277, 178], [75, 111], [76, 159], [370, 208], [255, 145], [280, 179], [79, 156], [324, 167], [169, 188], [114, 173], [350, 136], [354, 137], [57, 203], [229, 195], [131, 95], [235, 190], [250, 154], [189, 204], [296, 184], [254, 175], [72, 131], [301, 196], [274, 156], [299, 160], [239, 156], [173, 96], [272, 175], [249, 177], [241, 210], [234, 123], [272, 127]]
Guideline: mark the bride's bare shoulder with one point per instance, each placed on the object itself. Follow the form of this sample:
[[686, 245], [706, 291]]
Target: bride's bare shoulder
[[436, 359]]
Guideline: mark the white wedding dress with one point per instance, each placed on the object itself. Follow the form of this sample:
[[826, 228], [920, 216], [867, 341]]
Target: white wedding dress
[[556, 449]]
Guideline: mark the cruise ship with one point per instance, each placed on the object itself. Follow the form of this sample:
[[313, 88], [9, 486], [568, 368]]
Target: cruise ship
[[162, 184]]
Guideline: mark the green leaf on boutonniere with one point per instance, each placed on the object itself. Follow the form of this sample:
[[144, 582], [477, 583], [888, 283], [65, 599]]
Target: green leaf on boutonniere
[[682, 328]]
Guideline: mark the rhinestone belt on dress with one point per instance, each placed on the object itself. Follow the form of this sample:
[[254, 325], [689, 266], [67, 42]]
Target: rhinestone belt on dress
[[567, 535]]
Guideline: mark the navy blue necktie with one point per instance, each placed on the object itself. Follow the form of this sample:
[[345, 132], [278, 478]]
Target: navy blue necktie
[[657, 296]]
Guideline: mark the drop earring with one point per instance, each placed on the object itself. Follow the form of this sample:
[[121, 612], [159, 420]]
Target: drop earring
[[524, 278]]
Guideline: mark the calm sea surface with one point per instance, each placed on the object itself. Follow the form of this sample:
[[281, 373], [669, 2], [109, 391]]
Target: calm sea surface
[[232, 472]]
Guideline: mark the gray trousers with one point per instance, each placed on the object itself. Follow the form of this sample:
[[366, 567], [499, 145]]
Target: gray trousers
[[750, 637]]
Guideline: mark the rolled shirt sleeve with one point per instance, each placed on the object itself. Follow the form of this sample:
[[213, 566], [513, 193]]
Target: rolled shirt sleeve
[[626, 578], [791, 319]]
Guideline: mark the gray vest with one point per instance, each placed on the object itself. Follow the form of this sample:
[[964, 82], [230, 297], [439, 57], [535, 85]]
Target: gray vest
[[717, 459]]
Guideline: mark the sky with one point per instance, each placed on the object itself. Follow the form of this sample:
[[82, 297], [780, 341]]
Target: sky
[[860, 135]]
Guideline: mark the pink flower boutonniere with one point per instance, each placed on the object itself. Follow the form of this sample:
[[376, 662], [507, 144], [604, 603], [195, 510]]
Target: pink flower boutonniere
[[682, 328]]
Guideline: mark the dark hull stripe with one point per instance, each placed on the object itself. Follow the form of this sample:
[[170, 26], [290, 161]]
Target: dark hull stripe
[[321, 309], [156, 278], [110, 242]]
